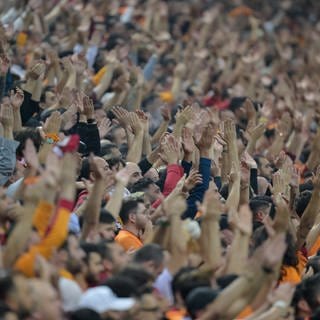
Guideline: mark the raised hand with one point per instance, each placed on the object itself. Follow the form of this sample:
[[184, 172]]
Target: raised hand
[[122, 116], [170, 150], [185, 115], [230, 135], [144, 119], [316, 179], [187, 140], [104, 127], [53, 123], [123, 176], [256, 132], [243, 220], [16, 98], [6, 116], [166, 112], [88, 108], [4, 64], [211, 205], [192, 180], [207, 138], [135, 123]]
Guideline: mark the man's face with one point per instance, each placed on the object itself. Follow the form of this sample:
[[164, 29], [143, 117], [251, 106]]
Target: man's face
[[153, 192], [21, 297], [142, 216], [95, 267], [265, 168], [119, 257], [49, 305], [135, 173], [148, 308], [107, 231], [119, 136]]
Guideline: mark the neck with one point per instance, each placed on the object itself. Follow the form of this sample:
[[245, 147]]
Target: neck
[[132, 228]]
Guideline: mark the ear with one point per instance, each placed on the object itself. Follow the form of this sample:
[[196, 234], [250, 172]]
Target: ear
[[303, 306], [132, 218]]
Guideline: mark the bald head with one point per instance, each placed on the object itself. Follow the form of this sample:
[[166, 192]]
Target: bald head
[[134, 172], [46, 302]]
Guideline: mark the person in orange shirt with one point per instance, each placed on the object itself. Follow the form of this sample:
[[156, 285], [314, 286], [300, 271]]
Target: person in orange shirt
[[135, 218]]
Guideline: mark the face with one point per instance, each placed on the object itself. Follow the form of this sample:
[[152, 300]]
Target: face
[[107, 231], [21, 297], [95, 267], [50, 306], [153, 192], [119, 257], [265, 168], [135, 173], [142, 216], [119, 136], [152, 174]]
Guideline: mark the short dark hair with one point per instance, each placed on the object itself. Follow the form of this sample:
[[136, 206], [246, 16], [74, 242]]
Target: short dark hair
[[140, 276], [187, 279], [302, 202], [85, 314], [150, 252], [89, 248], [22, 136], [122, 286], [6, 284], [106, 149], [199, 298], [106, 217], [141, 185], [128, 207]]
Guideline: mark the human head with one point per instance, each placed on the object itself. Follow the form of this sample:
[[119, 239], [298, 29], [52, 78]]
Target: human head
[[264, 167], [85, 314], [15, 293], [71, 255], [306, 298], [107, 225], [135, 173], [115, 258], [198, 299], [133, 213], [122, 286], [260, 209], [184, 281], [151, 190], [302, 202], [118, 135], [109, 151], [93, 259], [103, 301], [149, 308], [46, 301], [151, 257]]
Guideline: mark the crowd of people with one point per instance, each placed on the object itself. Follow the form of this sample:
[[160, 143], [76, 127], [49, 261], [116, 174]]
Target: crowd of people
[[159, 159]]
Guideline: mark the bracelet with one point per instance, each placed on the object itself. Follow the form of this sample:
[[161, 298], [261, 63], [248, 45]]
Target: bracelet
[[51, 138], [282, 306]]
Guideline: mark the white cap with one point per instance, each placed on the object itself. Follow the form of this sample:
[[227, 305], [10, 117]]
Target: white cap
[[102, 299], [70, 294]]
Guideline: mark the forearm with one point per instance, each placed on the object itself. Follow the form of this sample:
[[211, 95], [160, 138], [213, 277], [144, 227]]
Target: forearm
[[276, 147], [135, 150], [115, 202], [295, 144], [92, 208], [233, 199], [71, 80], [160, 131], [308, 218], [244, 193], [210, 242], [147, 149], [19, 236], [176, 87], [238, 254], [135, 98], [17, 123], [36, 93]]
